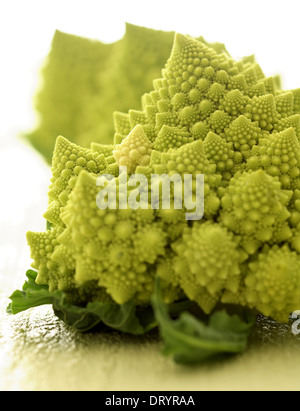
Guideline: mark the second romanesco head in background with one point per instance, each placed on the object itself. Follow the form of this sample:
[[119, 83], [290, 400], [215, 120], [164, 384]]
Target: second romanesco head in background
[[84, 81]]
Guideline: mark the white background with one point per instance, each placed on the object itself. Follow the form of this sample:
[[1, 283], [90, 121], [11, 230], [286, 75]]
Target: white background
[[268, 29]]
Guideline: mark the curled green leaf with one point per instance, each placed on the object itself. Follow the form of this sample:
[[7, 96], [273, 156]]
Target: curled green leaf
[[125, 318], [189, 340]]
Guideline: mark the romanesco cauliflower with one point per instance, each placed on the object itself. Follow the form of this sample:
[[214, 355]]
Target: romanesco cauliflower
[[207, 114]]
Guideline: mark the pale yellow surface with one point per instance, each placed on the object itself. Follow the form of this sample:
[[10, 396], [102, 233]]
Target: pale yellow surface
[[37, 352]]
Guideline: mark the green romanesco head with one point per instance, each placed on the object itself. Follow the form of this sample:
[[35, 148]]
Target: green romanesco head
[[210, 115]]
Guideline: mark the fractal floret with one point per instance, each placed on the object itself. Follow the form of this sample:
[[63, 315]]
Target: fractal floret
[[210, 115]]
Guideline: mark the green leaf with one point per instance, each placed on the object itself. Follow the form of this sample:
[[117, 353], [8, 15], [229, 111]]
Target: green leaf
[[189, 340], [126, 318], [32, 295]]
